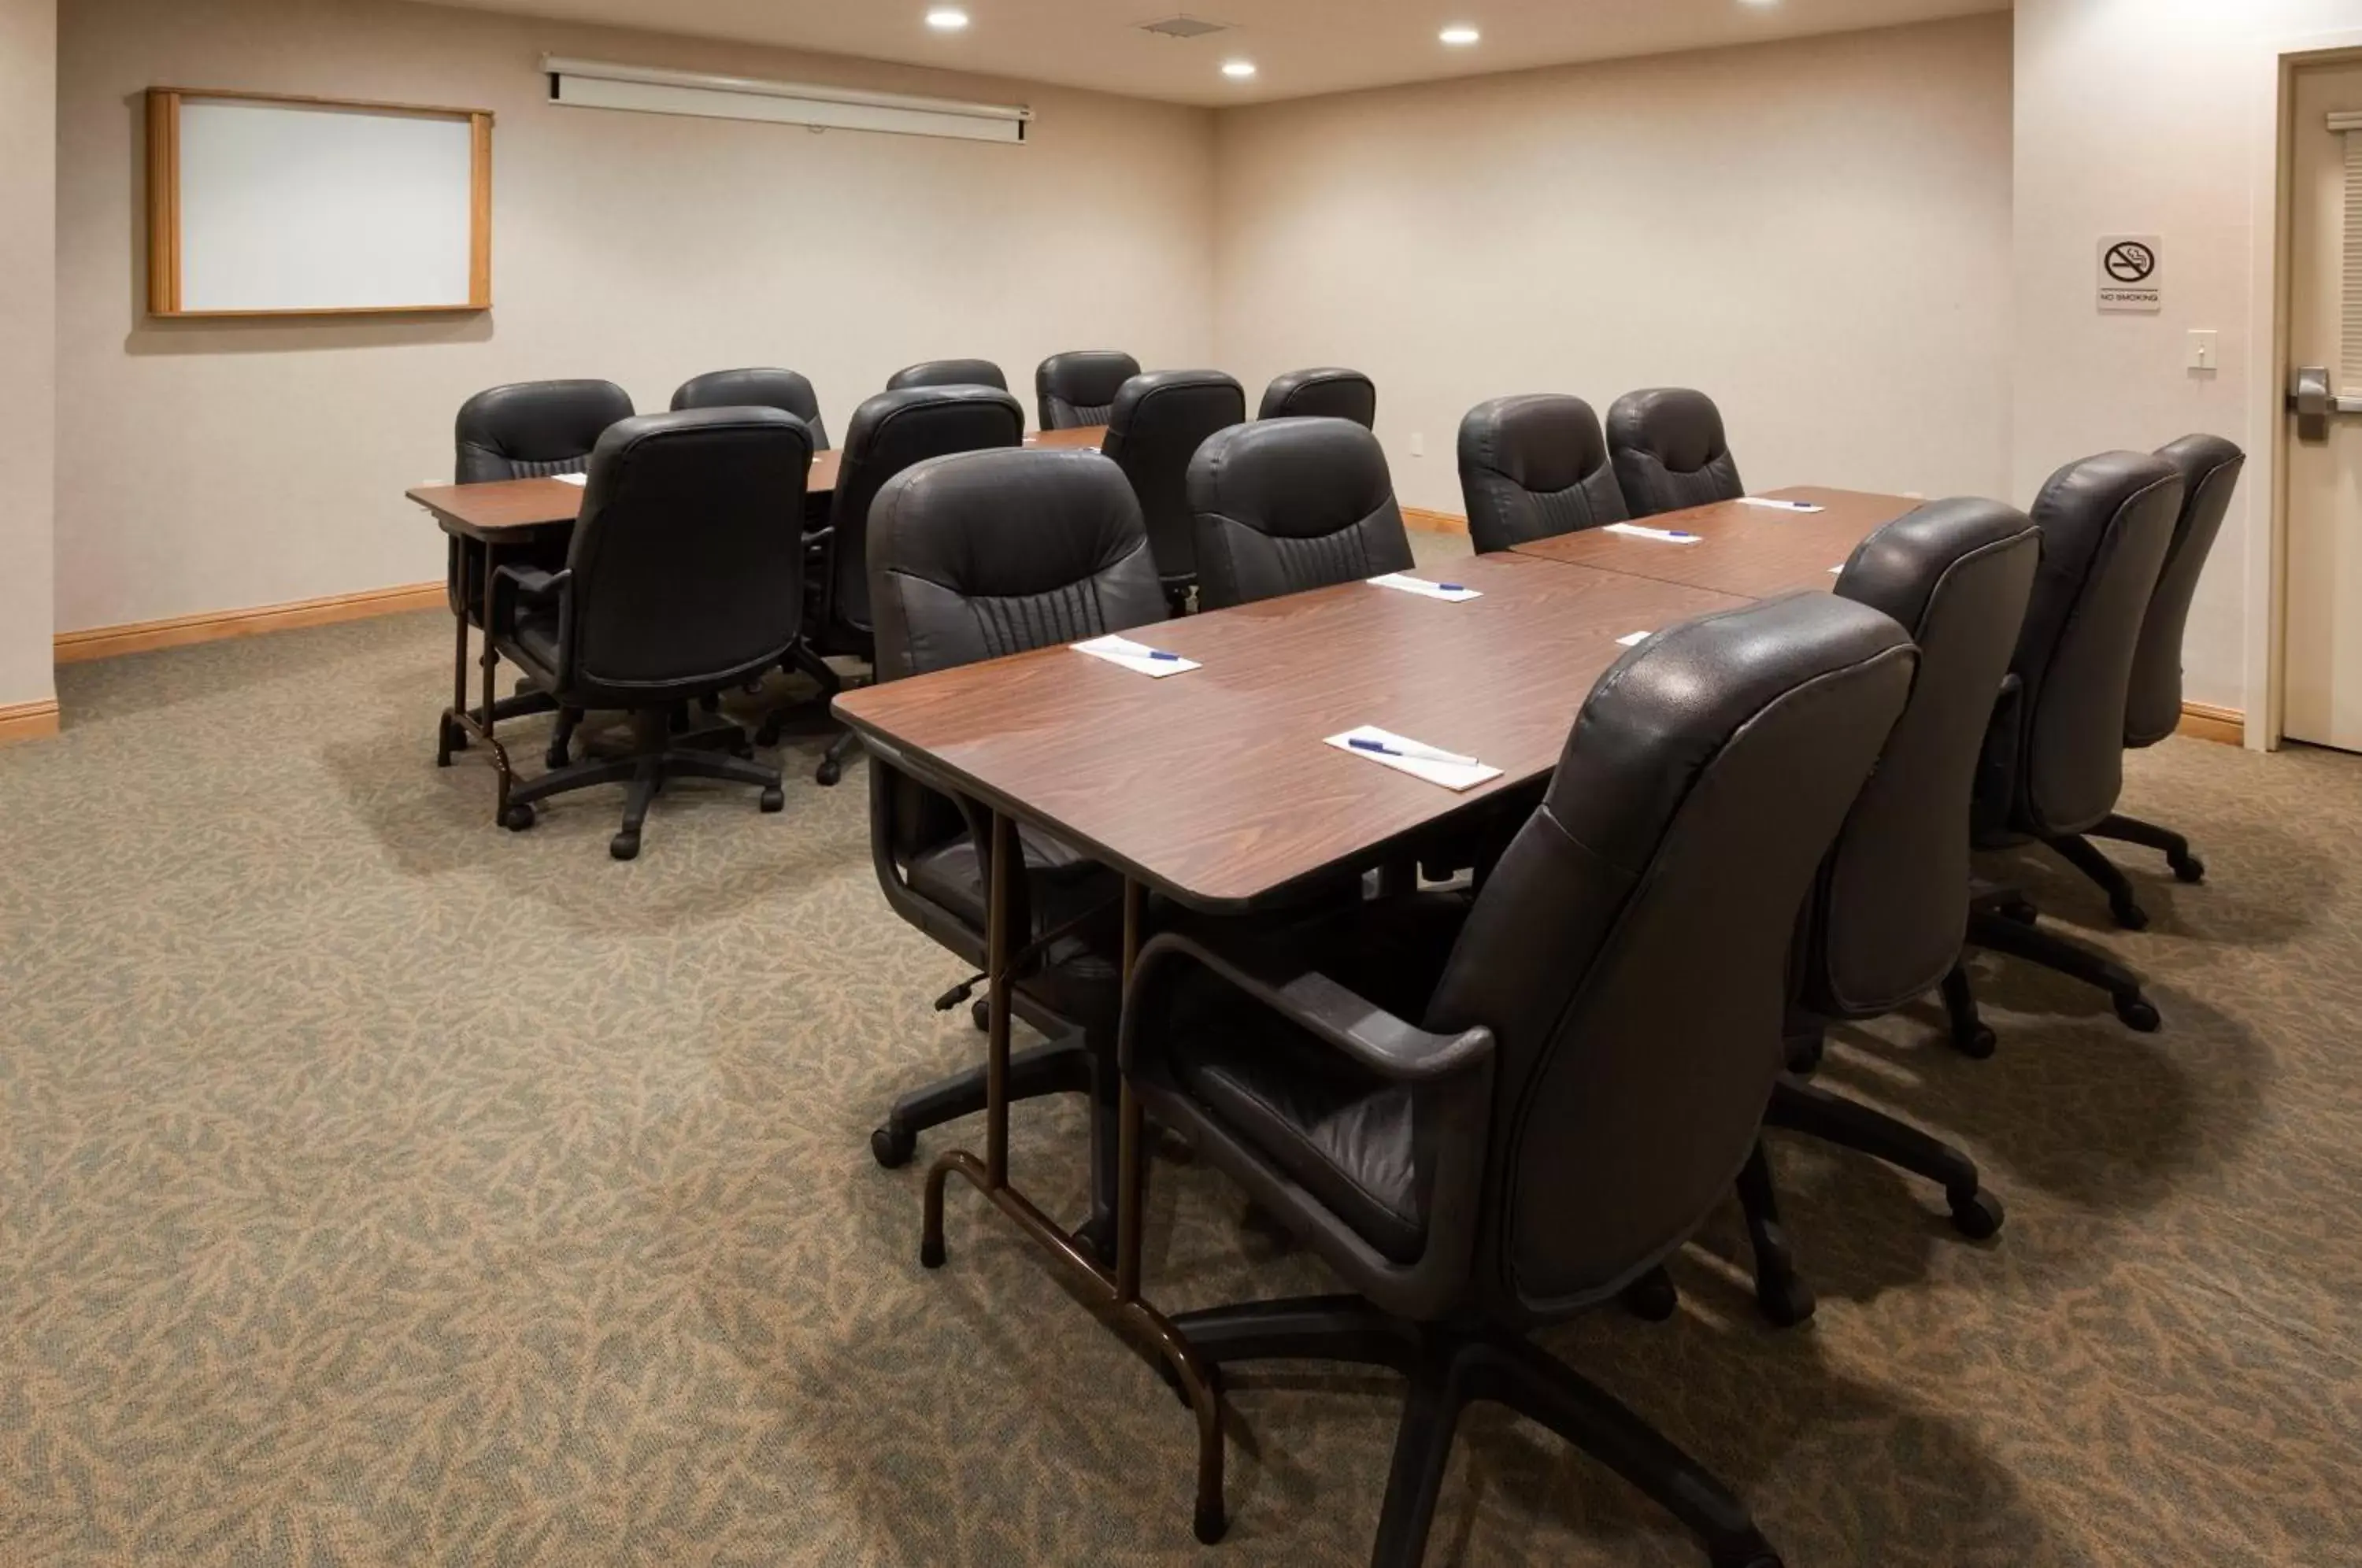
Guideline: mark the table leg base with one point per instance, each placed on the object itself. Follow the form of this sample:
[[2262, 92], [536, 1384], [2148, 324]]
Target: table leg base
[[1135, 1321]]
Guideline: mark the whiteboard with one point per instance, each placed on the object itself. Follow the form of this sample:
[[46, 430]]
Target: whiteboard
[[289, 206]]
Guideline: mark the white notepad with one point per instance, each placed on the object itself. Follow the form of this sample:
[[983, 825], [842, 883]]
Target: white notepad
[[571, 479], [1642, 531], [1766, 501], [1155, 663], [1419, 760], [1633, 639], [1450, 593]]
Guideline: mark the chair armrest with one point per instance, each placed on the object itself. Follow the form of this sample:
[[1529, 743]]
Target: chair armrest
[[535, 586], [1357, 1028]]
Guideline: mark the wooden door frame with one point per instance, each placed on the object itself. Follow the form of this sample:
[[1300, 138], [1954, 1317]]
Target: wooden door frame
[[2265, 600]]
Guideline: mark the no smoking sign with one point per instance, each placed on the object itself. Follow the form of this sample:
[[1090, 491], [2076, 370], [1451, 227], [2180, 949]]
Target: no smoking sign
[[2132, 272]]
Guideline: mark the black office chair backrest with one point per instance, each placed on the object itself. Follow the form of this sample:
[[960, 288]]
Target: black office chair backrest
[[1282, 505], [984, 554], [888, 433], [534, 430], [1534, 466], [947, 373], [1891, 908], [1670, 452], [2210, 468], [1076, 390], [754, 388], [1629, 950], [1156, 425], [2106, 523], [1328, 393], [687, 559]]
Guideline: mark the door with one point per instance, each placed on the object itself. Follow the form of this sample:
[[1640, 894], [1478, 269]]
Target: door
[[2323, 638]]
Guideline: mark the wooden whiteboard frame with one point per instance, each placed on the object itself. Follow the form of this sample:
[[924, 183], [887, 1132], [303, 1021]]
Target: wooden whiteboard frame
[[164, 203]]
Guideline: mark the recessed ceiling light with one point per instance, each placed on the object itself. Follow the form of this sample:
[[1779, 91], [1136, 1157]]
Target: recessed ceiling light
[[948, 18], [1459, 35], [1238, 70]]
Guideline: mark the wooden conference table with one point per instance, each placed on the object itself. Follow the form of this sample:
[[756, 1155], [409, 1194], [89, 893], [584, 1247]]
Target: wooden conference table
[[499, 514], [1213, 788]]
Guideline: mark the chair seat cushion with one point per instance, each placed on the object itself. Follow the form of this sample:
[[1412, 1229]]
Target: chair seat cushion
[[1339, 1132], [535, 635], [1080, 979]]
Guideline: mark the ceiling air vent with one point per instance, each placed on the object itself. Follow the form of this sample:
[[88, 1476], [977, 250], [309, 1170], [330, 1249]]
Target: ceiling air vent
[[1185, 27]]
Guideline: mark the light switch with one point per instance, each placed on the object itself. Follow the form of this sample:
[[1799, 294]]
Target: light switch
[[2201, 350], [1418, 445]]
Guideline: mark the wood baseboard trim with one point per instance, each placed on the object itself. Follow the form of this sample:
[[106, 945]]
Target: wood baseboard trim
[[184, 631], [29, 721], [1427, 522], [2206, 722]]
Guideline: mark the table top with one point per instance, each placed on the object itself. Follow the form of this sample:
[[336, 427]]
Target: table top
[[1214, 786], [499, 507], [1751, 551]]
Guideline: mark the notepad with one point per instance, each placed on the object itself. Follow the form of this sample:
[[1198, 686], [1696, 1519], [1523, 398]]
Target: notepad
[[1416, 759], [571, 479], [1642, 531], [1776, 506], [1633, 639], [1450, 593], [1155, 663]]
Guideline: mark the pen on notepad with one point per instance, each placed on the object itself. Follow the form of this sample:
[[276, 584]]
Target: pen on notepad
[[1451, 588], [1160, 653], [1424, 754]]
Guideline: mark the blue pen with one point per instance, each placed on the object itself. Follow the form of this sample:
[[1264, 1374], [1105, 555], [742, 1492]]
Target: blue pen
[[1451, 587], [1379, 747], [1160, 653]]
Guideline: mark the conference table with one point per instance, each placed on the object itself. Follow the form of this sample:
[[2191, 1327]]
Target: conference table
[[1214, 790], [500, 515]]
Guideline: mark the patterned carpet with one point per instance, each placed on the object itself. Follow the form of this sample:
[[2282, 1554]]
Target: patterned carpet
[[379, 1187]]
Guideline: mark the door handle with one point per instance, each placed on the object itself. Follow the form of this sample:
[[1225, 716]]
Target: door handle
[[2312, 401]]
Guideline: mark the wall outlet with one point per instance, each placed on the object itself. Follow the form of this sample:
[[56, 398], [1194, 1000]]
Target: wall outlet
[[1418, 445], [2203, 350]]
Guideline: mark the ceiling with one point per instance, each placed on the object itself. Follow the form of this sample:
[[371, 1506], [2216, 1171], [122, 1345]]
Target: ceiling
[[1299, 46]]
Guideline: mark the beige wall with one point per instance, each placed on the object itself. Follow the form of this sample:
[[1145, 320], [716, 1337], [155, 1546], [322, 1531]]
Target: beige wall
[[2152, 117], [208, 466], [27, 340], [1817, 232]]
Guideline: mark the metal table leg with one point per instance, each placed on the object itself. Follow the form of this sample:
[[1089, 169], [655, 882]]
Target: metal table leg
[[1115, 1296]]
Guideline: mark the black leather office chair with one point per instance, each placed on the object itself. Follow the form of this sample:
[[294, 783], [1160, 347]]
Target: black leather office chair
[[971, 557], [1155, 427], [2210, 468], [526, 430], [1077, 390], [1487, 1126], [1532, 467], [1328, 393], [1888, 913], [948, 374], [2053, 758], [888, 433], [1669, 451], [1282, 505], [757, 388], [684, 578]]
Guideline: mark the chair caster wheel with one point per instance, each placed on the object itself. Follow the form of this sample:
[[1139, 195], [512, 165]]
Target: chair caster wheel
[[2188, 868], [1977, 1216], [892, 1147], [2131, 917], [1785, 1302], [624, 847], [556, 757], [829, 771], [768, 734], [516, 819], [1978, 1043], [2019, 911], [1652, 1297], [1209, 1524], [1096, 1237], [979, 1012], [2138, 1014], [775, 800], [930, 1254]]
